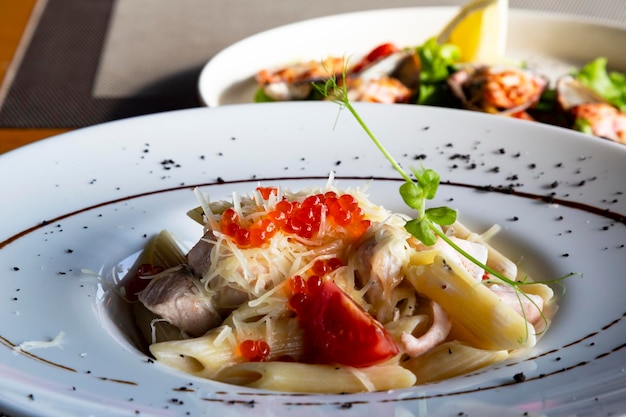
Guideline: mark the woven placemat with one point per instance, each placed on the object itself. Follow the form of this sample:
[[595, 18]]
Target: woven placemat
[[53, 87]]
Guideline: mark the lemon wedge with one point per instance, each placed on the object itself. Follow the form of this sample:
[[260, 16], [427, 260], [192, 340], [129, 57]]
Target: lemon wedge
[[479, 29]]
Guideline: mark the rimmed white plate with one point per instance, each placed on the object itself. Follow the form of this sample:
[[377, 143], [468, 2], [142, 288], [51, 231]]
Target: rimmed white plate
[[88, 199], [551, 43]]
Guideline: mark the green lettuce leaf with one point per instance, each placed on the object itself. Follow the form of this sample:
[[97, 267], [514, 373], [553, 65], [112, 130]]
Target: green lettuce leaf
[[262, 97], [437, 60], [437, 64], [610, 85]]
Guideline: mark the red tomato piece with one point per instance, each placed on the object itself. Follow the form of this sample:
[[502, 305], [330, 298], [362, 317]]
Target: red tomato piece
[[381, 51], [337, 330]]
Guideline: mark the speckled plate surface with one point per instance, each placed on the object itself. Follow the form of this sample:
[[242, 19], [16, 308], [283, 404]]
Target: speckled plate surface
[[87, 200]]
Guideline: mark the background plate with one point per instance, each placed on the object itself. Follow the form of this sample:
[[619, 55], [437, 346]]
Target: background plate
[[551, 43]]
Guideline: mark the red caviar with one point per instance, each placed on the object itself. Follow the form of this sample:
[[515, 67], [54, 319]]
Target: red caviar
[[321, 267], [294, 218], [254, 350], [266, 192]]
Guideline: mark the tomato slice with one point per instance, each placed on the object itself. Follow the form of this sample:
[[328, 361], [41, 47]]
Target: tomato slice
[[381, 51], [336, 329]]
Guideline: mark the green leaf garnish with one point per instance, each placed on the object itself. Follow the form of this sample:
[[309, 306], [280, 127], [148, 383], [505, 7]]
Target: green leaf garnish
[[443, 216], [437, 64], [413, 195], [262, 97], [609, 84], [583, 125], [437, 61], [429, 180], [421, 229]]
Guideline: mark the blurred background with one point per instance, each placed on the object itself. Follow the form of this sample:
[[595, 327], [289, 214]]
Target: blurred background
[[66, 64]]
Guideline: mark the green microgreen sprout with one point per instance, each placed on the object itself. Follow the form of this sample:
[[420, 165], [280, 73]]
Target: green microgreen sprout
[[426, 226]]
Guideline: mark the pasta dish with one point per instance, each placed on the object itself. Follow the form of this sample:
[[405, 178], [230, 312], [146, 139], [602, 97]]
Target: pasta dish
[[323, 291]]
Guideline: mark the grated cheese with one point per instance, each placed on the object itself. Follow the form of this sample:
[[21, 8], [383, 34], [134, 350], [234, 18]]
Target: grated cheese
[[38, 344]]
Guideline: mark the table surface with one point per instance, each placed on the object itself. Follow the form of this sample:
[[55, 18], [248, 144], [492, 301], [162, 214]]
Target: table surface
[[16, 23], [14, 17]]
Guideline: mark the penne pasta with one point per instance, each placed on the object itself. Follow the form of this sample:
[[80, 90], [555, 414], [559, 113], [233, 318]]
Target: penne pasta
[[206, 355], [154, 329], [473, 305], [459, 333], [162, 250], [310, 378], [283, 336], [202, 356], [451, 359], [495, 260]]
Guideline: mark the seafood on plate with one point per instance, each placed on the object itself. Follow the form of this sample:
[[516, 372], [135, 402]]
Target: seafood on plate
[[392, 78], [432, 74], [588, 111], [504, 90], [295, 81], [385, 75]]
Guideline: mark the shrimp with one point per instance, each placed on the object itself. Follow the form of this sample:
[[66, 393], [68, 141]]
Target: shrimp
[[499, 90], [293, 82], [604, 120], [379, 90], [437, 333], [511, 87]]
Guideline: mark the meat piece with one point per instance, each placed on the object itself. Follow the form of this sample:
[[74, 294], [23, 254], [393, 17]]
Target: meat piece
[[228, 298], [529, 305], [176, 296], [228, 294], [437, 333], [380, 264], [198, 258], [478, 250], [199, 263]]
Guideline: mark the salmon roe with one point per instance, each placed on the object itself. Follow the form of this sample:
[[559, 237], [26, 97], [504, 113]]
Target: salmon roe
[[303, 219], [321, 267], [254, 350], [300, 285]]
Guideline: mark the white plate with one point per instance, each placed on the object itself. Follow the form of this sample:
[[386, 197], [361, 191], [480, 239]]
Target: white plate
[[552, 43], [88, 199]]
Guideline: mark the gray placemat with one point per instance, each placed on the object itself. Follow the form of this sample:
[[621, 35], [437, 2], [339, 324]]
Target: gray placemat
[[53, 84], [91, 62]]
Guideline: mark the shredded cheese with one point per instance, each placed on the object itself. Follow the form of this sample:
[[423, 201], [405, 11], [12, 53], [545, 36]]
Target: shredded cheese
[[223, 335], [153, 328], [38, 344]]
